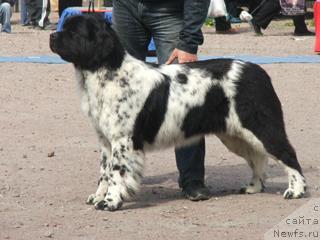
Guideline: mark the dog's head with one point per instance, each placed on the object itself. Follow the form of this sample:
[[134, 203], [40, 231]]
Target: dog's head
[[88, 42]]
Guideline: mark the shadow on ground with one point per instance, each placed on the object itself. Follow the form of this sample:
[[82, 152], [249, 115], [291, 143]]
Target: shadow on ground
[[222, 181]]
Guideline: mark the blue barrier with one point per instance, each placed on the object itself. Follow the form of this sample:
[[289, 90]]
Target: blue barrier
[[247, 58]]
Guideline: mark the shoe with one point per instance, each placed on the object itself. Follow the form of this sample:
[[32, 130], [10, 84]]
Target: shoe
[[256, 28], [46, 27], [229, 31], [196, 191], [50, 27], [304, 33], [26, 24]]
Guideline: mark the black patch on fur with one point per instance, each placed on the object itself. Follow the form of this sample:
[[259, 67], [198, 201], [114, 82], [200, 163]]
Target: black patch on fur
[[103, 162], [122, 148], [116, 167], [294, 177], [217, 68], [110, 75], [122, 99], [124, 82], [182, 78], [210, 117], [151, 117], [99, 181], [259, 110], [122, 172], [125, 168], [116, 154]]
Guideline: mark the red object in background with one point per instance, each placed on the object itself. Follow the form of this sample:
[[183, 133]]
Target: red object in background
[[85, 10], [317, 25]]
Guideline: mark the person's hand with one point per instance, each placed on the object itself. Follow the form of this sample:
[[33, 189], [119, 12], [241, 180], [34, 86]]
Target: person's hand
[[182, 56]]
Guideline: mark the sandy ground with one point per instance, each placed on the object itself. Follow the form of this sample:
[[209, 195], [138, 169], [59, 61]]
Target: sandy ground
[[44, 197]]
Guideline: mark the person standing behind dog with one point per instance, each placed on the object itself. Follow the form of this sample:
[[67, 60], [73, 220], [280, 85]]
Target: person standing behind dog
[[5, 15], [39, 11], [175, 26]]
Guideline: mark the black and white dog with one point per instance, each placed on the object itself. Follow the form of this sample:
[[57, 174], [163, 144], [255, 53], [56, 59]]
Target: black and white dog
[[136, 107]]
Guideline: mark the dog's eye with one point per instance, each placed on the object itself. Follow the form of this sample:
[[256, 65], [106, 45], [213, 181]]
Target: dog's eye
[[70, 32]]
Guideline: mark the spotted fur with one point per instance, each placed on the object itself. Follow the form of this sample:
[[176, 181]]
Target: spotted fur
[[137, 107]]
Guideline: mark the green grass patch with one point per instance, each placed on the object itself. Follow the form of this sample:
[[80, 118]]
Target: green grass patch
[[209, 22]]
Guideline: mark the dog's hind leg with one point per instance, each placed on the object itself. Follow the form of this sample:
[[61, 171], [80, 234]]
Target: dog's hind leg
[[281, 150], [256, 158], [124, 173]]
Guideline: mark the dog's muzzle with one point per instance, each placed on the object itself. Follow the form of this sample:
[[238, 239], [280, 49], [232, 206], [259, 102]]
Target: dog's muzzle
[[53, 39]]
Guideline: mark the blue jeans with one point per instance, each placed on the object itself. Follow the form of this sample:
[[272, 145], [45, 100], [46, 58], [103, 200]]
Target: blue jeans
[[24, 18], [5, 15], [136, 22]]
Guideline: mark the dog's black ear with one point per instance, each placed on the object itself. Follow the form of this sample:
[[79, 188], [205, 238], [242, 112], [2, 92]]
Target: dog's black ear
[[112, 51], [108, 43], [109, 37]]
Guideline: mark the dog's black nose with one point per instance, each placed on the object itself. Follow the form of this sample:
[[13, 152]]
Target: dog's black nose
[[53, 36], [52, 41]]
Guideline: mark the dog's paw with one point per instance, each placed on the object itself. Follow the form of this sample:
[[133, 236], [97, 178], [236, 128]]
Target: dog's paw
[[113, 202], [252, 188], [294, 193], [297, 188], [107, 205], [93, 199], [101, 205]]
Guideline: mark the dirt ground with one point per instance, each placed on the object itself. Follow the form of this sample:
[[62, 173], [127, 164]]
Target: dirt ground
[[44, 197]]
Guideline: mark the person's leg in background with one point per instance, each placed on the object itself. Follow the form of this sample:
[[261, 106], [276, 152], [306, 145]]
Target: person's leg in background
[[264, 15], [62, 5], [33, 12], [24, 18], [165, 21], [45, 12], [5, 16], [316, 11], [223, 26], [233, 10], [164, 26], [135, 34], [300, 27], [37, 11], [131, 32], [34, 7]]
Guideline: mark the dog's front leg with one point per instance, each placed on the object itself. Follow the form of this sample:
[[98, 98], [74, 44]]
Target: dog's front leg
[[97, 198], [124, 173]]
